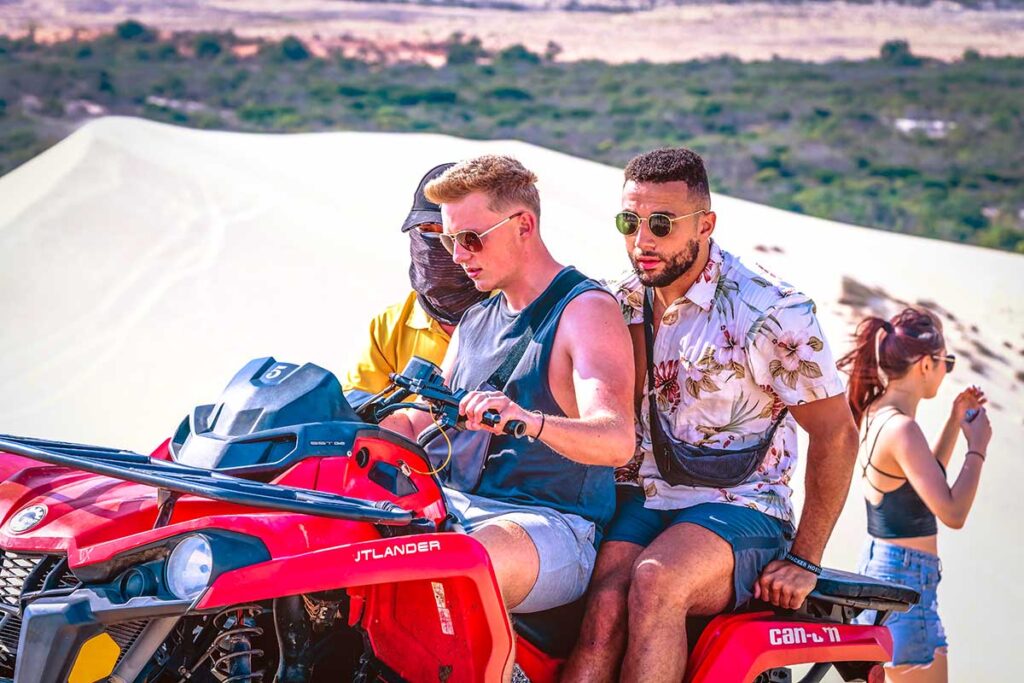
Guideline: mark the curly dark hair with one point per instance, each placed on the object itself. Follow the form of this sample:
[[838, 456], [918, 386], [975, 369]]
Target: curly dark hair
[[669, 165]]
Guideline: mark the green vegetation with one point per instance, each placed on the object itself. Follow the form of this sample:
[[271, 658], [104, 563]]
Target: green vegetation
[[900, 142]]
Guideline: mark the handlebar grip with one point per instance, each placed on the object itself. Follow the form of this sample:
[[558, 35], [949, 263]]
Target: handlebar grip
[[516, 428]]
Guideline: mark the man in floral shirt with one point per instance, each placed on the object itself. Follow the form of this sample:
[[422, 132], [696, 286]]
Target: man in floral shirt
[[732, 350]]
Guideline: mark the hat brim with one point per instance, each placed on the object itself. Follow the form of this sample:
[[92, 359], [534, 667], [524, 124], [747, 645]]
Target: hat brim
[[419, 217]]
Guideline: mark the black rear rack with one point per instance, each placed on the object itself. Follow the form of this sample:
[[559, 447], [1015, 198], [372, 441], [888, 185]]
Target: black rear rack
[[182, 479]]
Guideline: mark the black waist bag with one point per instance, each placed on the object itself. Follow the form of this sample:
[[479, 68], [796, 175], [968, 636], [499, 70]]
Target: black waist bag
[[684, 464]]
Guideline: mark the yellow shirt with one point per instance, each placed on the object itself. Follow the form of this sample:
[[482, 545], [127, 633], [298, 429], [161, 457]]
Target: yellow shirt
[[397, 334]]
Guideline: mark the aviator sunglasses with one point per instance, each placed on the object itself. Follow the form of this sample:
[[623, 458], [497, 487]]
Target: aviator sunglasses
[[472, 241], [660, 224]]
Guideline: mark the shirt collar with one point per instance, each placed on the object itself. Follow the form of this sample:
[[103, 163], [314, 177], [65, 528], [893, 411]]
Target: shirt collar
[[419, 319], [702, 292]]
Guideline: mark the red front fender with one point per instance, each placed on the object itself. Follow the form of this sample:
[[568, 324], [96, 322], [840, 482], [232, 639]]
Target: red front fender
[[429, 603]]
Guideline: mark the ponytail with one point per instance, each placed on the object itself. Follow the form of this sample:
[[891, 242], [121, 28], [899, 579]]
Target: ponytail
[[885, 350], [867, 380]]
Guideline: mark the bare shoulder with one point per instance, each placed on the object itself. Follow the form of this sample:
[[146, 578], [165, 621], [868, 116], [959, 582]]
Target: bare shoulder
[[902, 435], [592, 330], [593, 309]]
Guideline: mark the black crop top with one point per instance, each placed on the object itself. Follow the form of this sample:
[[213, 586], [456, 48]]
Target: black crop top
[[900, 513]]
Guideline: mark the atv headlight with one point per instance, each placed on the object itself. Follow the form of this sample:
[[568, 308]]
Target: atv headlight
[[190, 567]]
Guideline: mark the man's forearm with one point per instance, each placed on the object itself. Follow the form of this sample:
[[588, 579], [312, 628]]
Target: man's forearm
[[830, 461], [599, 440]]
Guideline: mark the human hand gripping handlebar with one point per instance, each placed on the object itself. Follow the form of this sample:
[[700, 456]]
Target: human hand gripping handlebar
[[423, 378]]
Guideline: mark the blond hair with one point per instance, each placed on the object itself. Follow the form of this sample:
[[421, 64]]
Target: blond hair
[[503, 179]]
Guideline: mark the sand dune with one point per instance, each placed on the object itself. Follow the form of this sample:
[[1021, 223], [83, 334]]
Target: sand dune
[[141, 265]]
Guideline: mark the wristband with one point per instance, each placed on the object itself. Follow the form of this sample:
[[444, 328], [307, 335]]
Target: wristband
[[977, 453], [541, 430], [803, 564]]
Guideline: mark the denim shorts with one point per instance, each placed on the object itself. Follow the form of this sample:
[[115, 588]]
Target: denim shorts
[[756, 538], [916, 633], [564, 542]]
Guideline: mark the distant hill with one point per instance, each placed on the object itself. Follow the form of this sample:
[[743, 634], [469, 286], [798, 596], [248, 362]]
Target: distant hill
[[610, 30], [898, 142]]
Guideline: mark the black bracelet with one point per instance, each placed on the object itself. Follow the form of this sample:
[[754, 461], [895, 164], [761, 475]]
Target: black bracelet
[[803, 564], [539, 431], [977, 453]]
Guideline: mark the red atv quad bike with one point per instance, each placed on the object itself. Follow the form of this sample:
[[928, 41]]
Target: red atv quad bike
[[282, 535]]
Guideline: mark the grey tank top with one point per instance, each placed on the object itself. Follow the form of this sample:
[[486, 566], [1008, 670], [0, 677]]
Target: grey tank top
[[522, 471]]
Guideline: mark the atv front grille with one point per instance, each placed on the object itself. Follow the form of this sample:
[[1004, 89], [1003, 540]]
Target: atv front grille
[[22, 576], [126, 633]]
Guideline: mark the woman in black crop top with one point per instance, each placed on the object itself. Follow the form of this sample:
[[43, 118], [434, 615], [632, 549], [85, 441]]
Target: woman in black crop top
[[896, 364]]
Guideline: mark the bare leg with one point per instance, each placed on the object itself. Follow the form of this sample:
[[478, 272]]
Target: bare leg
[[936, 672], [603, 636], [516, 564], [514, 558], [686, 570]]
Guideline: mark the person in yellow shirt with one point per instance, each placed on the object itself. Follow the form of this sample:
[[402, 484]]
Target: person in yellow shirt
[[422, 324]]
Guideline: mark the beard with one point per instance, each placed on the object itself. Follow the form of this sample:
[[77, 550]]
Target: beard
[[676, 266]]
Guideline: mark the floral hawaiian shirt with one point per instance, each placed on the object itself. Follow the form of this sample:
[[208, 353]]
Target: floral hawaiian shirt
[[730, 354]]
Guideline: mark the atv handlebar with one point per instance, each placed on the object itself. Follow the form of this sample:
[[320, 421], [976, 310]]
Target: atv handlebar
[[423, 378]]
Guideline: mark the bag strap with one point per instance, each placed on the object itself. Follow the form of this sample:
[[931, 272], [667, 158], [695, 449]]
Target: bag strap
[[657, 436], [564, 283]]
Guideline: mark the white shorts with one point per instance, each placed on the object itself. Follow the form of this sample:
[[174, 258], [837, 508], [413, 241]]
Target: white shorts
[[564, 542]]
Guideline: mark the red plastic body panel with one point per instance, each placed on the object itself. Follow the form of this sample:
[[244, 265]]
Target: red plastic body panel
[[428, 603], [737, 647], [538, 666], [93, 518], [431, 605], [163, 451]]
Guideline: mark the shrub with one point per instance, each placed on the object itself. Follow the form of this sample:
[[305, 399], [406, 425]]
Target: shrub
[[509, 94], [135, 31], [460, 51], [207, 45], [293, 49], [518, 54], [897, 52]]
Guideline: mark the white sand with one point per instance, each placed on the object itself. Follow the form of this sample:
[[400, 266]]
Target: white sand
[[141, 265]]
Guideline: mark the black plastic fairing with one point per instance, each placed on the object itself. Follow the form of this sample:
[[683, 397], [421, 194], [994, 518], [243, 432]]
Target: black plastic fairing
[[253, 423]]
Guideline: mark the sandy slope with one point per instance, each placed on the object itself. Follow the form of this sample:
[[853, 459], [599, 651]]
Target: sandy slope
[[141, 265], [813, 31]]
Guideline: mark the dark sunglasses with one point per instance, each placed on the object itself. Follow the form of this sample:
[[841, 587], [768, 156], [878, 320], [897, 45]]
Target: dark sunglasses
[[472, 241], [660, 224], [949, 359]]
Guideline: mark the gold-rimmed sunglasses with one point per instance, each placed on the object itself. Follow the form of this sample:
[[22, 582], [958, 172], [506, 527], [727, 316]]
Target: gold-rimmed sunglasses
[[660, 224], [472, 241]]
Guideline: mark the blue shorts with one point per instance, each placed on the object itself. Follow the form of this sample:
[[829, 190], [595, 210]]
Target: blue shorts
[[916, 633], [564, 542], [756, 538]]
